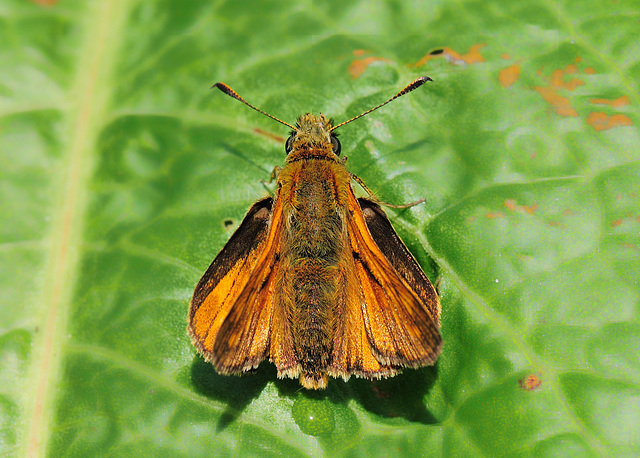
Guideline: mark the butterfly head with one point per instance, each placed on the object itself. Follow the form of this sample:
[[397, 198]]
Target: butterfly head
[[313, 133]]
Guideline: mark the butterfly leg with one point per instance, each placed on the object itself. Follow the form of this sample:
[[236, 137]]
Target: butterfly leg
[[358, 180], [274, 175]]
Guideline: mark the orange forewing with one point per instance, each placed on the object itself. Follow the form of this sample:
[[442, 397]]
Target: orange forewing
[[387, 324], [399, 257], [255, 324], [233, 321], [226, 278]]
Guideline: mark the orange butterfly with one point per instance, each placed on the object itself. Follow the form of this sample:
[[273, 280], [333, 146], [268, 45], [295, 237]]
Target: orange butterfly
[[315, 279]]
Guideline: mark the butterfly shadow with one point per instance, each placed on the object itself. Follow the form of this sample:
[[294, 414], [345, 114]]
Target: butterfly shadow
[[400, 396], [236, 392]]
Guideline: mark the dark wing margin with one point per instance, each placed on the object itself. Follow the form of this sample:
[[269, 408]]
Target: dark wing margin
[[399, 256]]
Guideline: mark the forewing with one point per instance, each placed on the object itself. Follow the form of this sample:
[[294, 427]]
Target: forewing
[[255, 326], [400, 320], [227, 277], [399, 256]]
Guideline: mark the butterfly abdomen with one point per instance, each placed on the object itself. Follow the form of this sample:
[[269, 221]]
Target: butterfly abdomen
[[316, 222]]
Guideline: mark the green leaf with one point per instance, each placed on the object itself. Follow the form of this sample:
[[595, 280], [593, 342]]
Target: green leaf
[[122, 175]]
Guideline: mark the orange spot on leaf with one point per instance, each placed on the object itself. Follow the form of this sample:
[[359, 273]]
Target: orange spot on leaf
[[602, 121], [530, 382], [494, 215], [589, 71], [509, 75], [358, 66], [559, 103], [472, 57], [359, 52], [513, 206], [616, 103], [616, 223], [630, 245], [557, 80], [505, 56]]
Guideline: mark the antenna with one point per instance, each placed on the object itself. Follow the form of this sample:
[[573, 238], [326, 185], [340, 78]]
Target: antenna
[[415, 84], [230, 92]]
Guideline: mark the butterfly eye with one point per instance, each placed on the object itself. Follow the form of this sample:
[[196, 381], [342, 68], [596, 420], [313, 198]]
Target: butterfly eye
[[336, 145], [288, 147]]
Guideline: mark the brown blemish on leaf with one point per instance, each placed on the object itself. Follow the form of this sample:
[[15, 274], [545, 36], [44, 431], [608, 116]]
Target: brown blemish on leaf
[[358, 66], [509, 75], [615, 103], [629, 217], [630, 246], [530, 382], [472, 57], [557, 80], [380, 394], [602, 121], [275, 137], [511, 205], [559, 103]]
